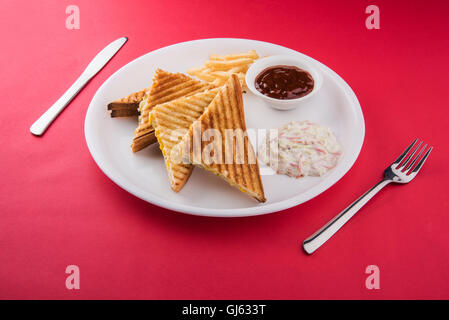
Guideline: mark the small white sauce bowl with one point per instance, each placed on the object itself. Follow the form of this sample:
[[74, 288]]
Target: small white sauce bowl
[[288, 60]]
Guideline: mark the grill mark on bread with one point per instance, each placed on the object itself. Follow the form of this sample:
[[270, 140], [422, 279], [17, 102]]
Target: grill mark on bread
[[171, 116], [226, 112], [166, 87]]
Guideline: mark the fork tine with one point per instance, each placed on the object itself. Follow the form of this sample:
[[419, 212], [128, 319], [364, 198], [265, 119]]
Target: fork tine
[[420, 163], [416, 158], [398, 160], [411, 156]]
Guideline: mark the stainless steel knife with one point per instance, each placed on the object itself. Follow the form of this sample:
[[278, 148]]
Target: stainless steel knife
[[100, 60]]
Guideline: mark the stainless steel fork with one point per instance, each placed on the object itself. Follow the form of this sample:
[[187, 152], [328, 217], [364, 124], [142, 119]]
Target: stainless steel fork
[[403, 170]]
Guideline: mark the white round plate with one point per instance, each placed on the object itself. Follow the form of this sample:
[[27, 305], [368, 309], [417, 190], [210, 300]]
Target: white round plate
[[143, 173]]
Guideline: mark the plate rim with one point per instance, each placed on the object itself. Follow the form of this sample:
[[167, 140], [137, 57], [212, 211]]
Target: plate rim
[[236, 212]]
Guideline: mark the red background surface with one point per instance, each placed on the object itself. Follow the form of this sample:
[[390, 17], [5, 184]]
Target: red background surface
[[57, 208]]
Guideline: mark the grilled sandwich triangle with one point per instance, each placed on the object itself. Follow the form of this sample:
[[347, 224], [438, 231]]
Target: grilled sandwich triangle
[[171, 121], [229, 154], [166, 87]]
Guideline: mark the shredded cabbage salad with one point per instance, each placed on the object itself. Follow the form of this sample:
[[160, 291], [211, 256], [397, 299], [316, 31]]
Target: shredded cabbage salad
[[301, 148]]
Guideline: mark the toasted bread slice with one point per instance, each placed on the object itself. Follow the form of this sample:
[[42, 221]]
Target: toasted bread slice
[[232, 159], [124, 113], [127, 106], [166, 87], [145, 140], [171, 121]]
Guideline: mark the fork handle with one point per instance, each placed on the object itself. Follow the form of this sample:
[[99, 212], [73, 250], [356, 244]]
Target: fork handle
[[321, 236]]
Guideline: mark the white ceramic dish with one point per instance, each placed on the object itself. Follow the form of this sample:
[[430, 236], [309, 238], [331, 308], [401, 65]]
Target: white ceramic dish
[[143, 174], [290, 60]]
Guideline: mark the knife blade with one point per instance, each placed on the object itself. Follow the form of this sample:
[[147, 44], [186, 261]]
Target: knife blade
[[100, 60]]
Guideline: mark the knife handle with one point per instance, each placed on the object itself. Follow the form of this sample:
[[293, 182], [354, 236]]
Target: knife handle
[[41, 124]]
